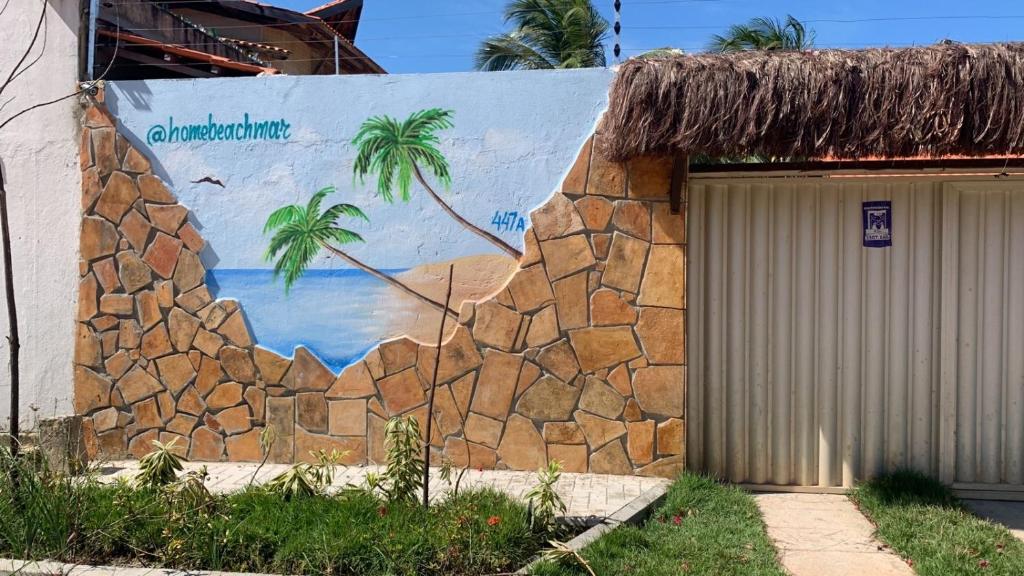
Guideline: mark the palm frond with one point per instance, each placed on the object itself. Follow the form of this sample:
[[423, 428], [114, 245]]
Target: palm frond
[[426, 122], [285, 236], [547, 34], [391, 150], [338, 210], [764, 33], [300, 247], [341, 236], [301, 232], [313, 207], [509, 52], [282, 216]]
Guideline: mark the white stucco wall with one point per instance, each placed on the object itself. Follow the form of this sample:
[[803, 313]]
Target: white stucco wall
[[39, 152]]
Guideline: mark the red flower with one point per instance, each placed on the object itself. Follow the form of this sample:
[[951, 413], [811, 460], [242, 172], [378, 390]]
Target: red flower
[[382, 511], [493, 521], [677, 520], [983, 563]]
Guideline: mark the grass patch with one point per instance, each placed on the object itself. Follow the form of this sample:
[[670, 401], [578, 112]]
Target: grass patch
[[922, 521], [703, 528], [477, 532]]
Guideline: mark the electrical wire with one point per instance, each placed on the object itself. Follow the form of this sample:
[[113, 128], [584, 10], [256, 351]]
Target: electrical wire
[[694, 47], [316, 20], [845, 21]]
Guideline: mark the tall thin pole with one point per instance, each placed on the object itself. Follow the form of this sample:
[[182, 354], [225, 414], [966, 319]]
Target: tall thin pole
[[94, 8], [433, 389], [618, 31], [12, 316], [337, 64]]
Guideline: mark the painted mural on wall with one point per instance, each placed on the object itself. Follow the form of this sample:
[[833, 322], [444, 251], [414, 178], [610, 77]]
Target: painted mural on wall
[[332, 206], [283, 265]]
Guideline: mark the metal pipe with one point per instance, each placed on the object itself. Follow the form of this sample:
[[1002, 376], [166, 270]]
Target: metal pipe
[[337, 65], [94, 8]]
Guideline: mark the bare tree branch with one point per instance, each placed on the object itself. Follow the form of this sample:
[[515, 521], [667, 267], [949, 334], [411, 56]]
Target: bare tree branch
[[42, 104], [35, 36], [86, 88]]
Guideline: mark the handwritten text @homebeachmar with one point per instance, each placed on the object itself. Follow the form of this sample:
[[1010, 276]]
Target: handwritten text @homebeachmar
[[212, 131]]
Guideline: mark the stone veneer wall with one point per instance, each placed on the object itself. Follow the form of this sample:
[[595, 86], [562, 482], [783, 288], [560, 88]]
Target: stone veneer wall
[[580, 358]]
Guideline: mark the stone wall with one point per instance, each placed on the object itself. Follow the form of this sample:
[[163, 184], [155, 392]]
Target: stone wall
[[580, 358]]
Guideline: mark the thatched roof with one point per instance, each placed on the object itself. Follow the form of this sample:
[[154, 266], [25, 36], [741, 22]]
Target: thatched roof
[[947, 99]]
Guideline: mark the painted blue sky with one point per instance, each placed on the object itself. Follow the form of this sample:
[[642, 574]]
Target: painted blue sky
[[515, 135], [441, 35]]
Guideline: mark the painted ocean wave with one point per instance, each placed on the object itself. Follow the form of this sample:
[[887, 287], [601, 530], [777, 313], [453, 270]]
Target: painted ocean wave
[[338, 314]]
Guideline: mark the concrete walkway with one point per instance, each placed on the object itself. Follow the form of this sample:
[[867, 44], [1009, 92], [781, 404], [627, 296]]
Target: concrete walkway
[[585, 495], [1009, 514], [825, 535]]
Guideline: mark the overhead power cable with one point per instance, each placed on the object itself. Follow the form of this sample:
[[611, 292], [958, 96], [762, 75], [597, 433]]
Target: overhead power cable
[[844, 21], [390, 18]]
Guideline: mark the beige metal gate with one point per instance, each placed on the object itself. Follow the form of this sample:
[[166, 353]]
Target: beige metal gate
[[815, 361]]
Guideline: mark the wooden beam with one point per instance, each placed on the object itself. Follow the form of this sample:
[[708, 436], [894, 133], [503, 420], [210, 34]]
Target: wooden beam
[[680, 181], [127, 53], [831, 165]]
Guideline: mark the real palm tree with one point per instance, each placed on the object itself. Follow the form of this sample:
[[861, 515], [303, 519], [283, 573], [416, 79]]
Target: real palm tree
[[546, 34], [394, 151], [300, 232], [764, 34]]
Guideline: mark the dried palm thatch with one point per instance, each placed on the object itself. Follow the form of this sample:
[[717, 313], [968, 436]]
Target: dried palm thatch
[[947, 99]]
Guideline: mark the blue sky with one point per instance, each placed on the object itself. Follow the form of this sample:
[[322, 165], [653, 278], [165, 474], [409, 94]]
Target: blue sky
[[441, 35]]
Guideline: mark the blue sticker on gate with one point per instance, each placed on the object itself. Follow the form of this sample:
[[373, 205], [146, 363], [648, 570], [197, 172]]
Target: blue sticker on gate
[[877, 217]]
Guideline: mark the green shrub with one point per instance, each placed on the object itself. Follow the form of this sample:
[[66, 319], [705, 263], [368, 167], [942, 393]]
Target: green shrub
[[160, 467], [307, 479], [545, 503], [182, 526], [402, 479]]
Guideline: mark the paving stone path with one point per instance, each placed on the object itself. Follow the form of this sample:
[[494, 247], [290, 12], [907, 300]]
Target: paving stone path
[[1009, 514], [584, 494], [825, 535]]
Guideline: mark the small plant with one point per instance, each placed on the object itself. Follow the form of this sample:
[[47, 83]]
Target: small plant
[[191, 489], [268, 436], [292, 483], [447, 470], [160, 467], [190, 509], [305, 479], [560, 552], [403, 477], [545, 503]]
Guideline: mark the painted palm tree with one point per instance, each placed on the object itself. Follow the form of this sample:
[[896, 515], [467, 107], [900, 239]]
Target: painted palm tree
[[764, 34], [395, 152], [300, 232], [546, 34]]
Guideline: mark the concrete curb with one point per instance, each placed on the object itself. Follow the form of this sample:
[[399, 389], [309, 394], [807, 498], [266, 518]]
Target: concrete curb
[[633, 513], [10, 567]]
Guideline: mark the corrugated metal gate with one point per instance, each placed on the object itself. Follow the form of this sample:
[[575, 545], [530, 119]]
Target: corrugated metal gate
[[816, 361]]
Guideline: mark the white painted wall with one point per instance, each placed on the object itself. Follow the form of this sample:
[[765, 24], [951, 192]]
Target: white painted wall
[[39, 152]]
